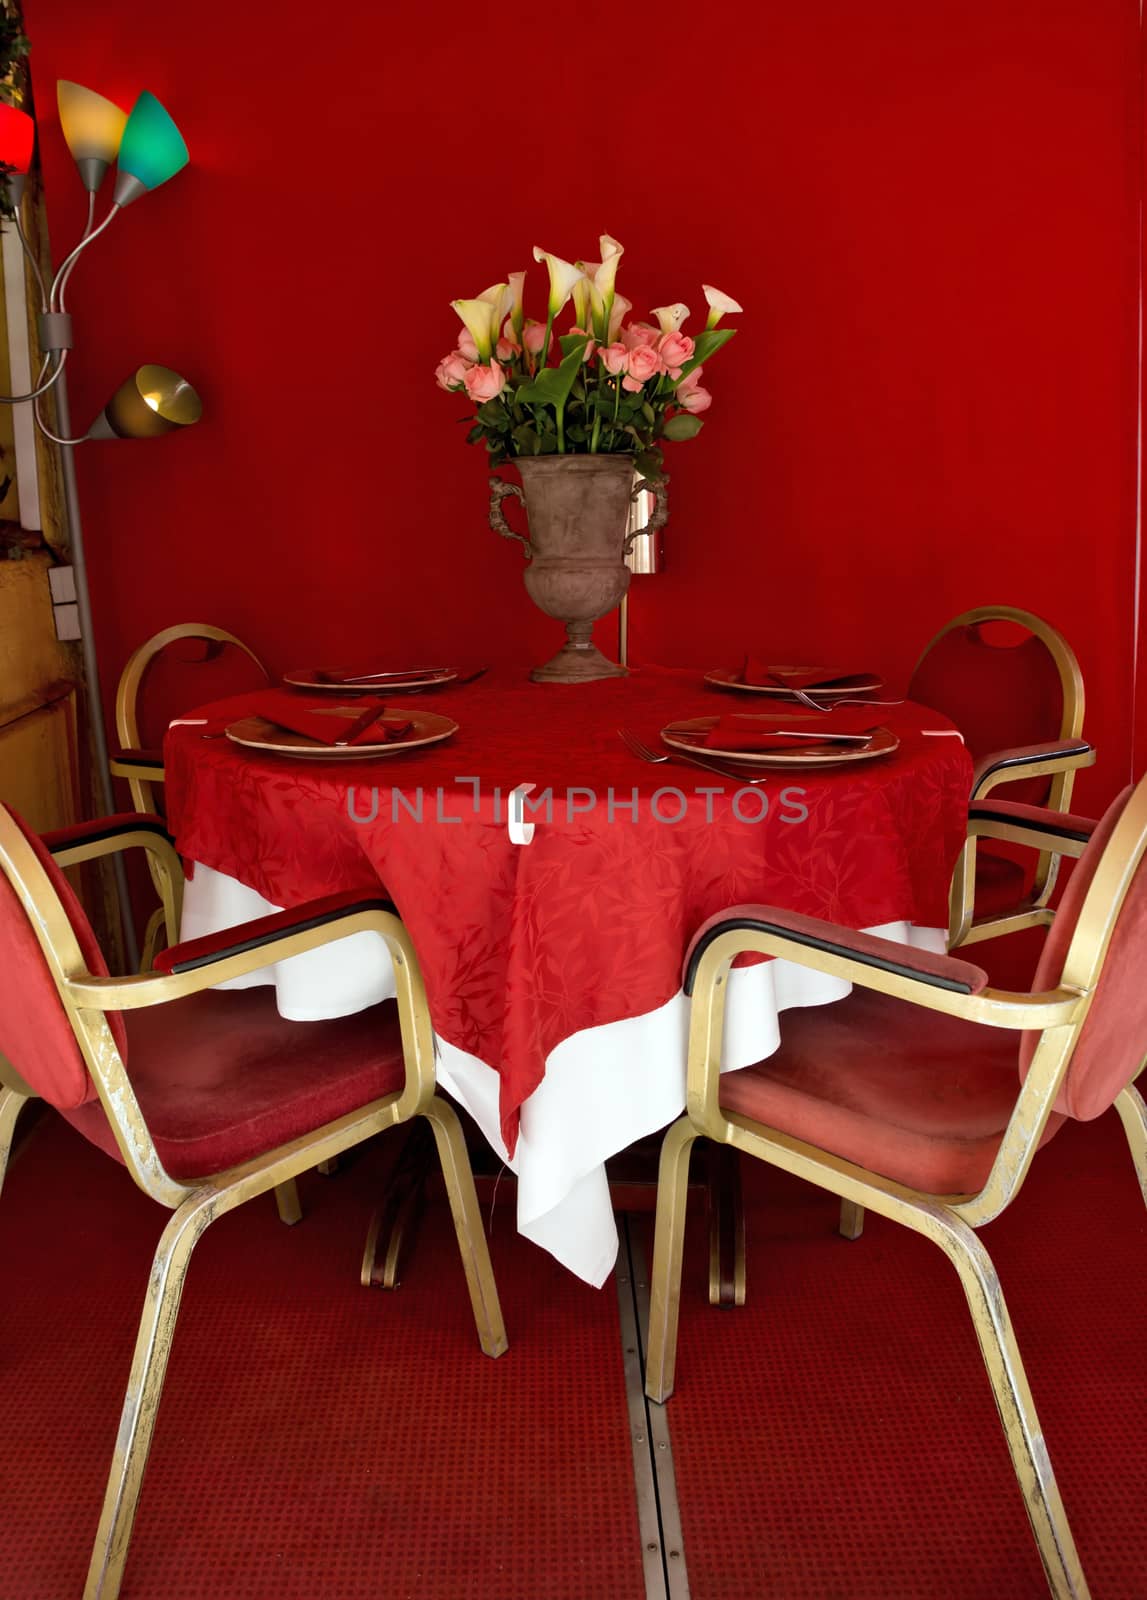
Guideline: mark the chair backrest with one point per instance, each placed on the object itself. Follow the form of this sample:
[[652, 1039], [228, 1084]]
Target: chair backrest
[[44, 934], [1005, 678], [1098, 942], [178, 668]]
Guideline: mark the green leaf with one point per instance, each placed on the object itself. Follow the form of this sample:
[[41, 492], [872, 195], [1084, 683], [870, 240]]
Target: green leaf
[[552, 385], [648, 413], [683, 426], [649, 464], [706, 345], [526, 440], [476, 432]]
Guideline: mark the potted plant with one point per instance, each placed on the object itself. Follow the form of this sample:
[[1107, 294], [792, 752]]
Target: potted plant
[[582, 415]]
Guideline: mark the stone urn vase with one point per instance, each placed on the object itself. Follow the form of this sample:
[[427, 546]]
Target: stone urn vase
[[578, 511]]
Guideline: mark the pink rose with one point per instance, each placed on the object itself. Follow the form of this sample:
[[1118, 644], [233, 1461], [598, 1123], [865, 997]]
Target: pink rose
[[613, 358], [690, 396], [484, 383], [451, 371], [467, 346], [534, 336], [639, 335], [504, 350], [644, 363], [675, 349], [590, 343]]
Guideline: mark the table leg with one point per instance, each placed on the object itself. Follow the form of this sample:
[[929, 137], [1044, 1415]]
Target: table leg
[[726, 1226], [395, 1223]]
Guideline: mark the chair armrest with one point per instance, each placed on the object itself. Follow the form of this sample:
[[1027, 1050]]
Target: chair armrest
[[145, 764], [138, 757], [84, 841], [1030, 761], [262, 931], [941, 983], [202, 963], [1061, 832]]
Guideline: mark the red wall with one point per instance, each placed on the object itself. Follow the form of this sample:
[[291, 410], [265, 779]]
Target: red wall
[[930, 213]]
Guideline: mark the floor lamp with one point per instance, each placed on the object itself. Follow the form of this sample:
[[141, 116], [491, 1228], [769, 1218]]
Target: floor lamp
[[148, 149]]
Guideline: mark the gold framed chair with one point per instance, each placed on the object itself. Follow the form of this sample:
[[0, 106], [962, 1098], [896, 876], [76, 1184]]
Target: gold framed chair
[[139, 756], [254, 1102], [908, 1098], [1019, 705]]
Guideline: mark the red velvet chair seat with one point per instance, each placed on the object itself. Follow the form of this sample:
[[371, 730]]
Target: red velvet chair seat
[[918, 1096], [221, 1077]]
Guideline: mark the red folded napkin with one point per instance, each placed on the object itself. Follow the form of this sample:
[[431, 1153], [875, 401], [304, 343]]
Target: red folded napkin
[[760, 675], [753, 734], [329, 724]]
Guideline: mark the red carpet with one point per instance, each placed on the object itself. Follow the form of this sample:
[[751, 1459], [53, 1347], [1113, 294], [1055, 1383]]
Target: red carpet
[[834, 1439], [317, 1441], [837, 1437]]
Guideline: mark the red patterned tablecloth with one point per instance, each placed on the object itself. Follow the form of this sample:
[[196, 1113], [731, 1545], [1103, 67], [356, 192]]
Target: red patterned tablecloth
[[523, 946]]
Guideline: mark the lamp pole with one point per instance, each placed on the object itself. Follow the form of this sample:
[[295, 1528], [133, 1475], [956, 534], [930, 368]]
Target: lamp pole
[[103, 783]]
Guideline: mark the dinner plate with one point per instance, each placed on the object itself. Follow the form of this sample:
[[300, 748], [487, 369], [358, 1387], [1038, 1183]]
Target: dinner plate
[[689, 735], [729, 679], [257, 733], [414, 678]]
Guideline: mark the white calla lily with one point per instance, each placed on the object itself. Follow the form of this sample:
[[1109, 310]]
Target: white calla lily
[[500, 297], [620, 310], [606, 275], [671, 317], [719, 304], [581, 292], [563, 276], [517, 304], [478, 316], [601, 289]]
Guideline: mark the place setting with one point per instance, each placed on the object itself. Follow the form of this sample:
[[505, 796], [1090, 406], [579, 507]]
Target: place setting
[[758, 741], [367, 678], [281, 722], [814, 686]]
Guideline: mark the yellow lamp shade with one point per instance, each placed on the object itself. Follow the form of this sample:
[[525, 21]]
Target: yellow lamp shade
[[152, 401], [93, 127]]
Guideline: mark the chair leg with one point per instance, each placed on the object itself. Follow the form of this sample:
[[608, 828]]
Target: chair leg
[[851, 1224], [287, 1200], [1133, 1114], [459, 1179], [12, 1102], [1016, 1408], [154, 933], [668, 1248], [141, 1402]]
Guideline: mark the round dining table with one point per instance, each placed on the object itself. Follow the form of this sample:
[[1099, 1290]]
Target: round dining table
[[551, 881]]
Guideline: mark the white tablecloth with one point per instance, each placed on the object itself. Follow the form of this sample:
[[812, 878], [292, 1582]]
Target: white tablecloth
[[604, 1088]]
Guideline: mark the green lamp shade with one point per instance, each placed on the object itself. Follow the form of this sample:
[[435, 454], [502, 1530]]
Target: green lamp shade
[[152, 401], [152, 149]]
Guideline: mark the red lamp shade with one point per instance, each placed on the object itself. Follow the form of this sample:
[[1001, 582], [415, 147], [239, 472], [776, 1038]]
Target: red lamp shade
[[17, 137]]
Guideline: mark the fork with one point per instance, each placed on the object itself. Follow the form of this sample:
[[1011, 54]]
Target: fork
[[642, 751], [840, 700]]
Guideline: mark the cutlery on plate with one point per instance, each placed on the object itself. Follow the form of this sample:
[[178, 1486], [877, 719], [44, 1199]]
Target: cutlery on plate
[[643, 753], [806, 736], [449, 683]]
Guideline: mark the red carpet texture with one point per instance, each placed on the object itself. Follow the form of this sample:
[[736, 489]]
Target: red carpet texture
[[316, 1441], [836, 1439]]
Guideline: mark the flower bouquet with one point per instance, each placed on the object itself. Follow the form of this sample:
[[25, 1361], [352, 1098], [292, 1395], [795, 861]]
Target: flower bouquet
[[605, 386], [582, 416]]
